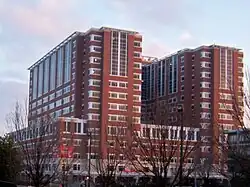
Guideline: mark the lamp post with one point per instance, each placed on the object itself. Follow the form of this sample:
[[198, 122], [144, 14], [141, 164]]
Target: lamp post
[[89, 159], [180, 110]]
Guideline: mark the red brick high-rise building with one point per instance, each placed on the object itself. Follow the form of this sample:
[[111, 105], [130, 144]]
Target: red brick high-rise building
[[207, 81], [93, 75]]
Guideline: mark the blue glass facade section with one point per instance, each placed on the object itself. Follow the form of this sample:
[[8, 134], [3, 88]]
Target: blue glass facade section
[[40, 79], [67, 67], [52, 72], [46, 75], [34, 83]]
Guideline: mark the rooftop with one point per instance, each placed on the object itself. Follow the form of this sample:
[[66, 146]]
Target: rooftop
[[76, 33]]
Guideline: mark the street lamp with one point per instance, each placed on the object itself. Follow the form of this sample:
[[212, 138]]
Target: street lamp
[[89, 159], [180, 110]]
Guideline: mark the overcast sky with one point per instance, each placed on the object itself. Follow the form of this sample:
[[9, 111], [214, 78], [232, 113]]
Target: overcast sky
[[30, 28]]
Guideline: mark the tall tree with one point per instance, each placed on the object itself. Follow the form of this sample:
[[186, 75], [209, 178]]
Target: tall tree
[[9, 160]]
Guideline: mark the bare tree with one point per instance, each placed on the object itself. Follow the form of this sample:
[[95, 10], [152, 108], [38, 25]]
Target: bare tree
[[155, 152], [109, 165], [233, 146], [37, 144]]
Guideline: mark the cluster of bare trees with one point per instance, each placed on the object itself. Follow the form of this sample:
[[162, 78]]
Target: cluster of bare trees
[[36, 145], [153, 151]]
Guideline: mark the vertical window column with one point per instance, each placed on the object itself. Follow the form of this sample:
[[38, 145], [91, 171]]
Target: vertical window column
[[60, 60], [53, 72], [67, 68], [34, 83], [46, 75], [40, 79]]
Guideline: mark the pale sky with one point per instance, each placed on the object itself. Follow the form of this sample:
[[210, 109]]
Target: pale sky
[[30, 28]]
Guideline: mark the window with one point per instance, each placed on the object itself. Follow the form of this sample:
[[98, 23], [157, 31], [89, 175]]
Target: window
[[94, 60], [137, 109], [78, 127], [95, 117], [182, 87], [182, 78], [182, 59], [118, 84], [137, 87], [137, 76], [74, 43], [94, 82], [193, 57], [225, 106], [94, 71], [182, 98], [137, 65], [205, 64], [205, 85], [66, 89], [136, 120], [137, 98], [123, 96], [66, 100], [137, 44], [66, 110], [205, 105], [225, 96], [205, 115], [52, 96], [58, 93], [191, 135], [225, 116], [94, 94], [96, 38], [182, 68], [205, 75], [74, 54], [121, 118], [96, 49], [76, 167], [58, 103], [121, 107], [113, 106], [113, 84], [67, 127], [113, 117], [205, 125], [113, 95], [137, 54], [205, 54], [94, 105], [51, 106], [123, 84], [205, 95]]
